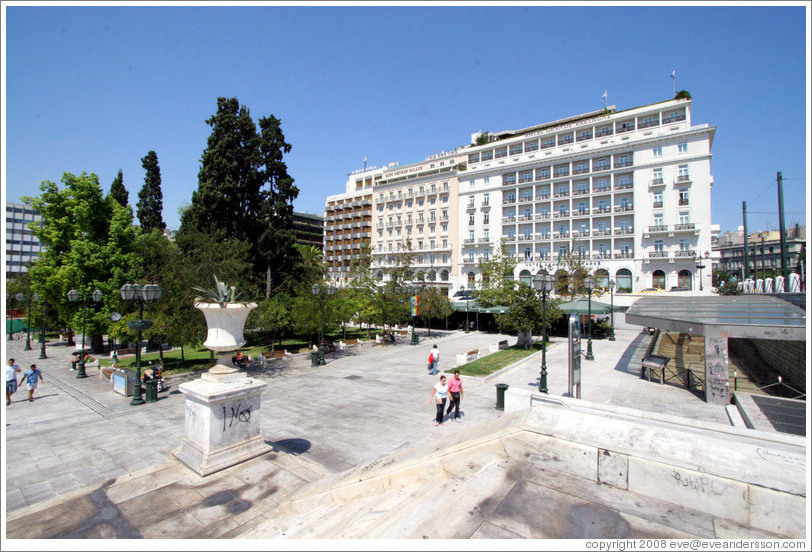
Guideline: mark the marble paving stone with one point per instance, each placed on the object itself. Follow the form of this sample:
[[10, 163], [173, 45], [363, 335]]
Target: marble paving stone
[[781, 513], [181, 526]]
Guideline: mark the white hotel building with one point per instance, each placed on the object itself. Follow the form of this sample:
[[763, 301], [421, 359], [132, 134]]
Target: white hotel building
[[628, 192]]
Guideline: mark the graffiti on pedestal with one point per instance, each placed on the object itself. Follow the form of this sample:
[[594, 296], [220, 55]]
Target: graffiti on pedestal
[[237, 414]]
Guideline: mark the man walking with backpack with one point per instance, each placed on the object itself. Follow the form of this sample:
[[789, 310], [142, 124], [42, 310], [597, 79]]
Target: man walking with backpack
[[434, 359]]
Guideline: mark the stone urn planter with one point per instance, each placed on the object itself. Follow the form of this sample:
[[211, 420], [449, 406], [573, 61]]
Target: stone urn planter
[[223, 405], [225, 326]]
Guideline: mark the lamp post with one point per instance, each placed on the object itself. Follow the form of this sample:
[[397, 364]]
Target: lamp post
[[589, 284], [35, 298], [10, 301], [612, 309], [73, 297], [42, 331], [142, 294], [543, 284], [467, 300], [700, 266], [415, 301], [322, 290]]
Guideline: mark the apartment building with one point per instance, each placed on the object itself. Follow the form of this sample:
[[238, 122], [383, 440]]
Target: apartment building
[[763, 251], [348, 224], [22, 246], [308, 229], [628, 192]]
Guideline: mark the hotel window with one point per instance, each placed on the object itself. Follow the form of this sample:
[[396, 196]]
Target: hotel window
[[658, 219], [683, 197], [624, 202], [487, 155], [487, 234], [683, 147], [603, 184], [487, 218], [485, 255], [471, 201], [445, 244], [684, 244], [562, 209], [603, 205], [470, 220], [470, 235], [582, 208], [531, 146], [515, 149], [658, 245], [683, 172], [684, 217], [658, 152], [657, 176], [486, 200], [501, 152], [658, 200], [563, 189], [542, 173], [623, 180]]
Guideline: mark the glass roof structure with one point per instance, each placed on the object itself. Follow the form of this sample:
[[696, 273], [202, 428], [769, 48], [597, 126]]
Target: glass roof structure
[[749, 316]]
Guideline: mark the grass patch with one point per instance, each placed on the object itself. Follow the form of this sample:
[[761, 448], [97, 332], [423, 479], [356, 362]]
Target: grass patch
[[496, 361]]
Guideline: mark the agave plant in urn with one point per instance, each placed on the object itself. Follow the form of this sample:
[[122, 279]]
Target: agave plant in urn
[[225, 320]]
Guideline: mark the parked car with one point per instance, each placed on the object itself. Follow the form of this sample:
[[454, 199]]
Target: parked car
[[651, 290]]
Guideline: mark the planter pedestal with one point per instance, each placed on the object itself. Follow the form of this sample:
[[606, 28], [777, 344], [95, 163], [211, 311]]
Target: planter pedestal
[[222, 421], [223, 406]]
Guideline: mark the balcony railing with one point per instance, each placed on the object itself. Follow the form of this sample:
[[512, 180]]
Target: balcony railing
[[600, 210], [484, 240], [683, 178], [657, 205], [685, 253], [685, 226], [508, 219], [601, 167], [624, 255], [561, 215], [601, 190], [683, 202], [565, 140], [525, 217], [561, 194], [560, 236], [561, 174], [658, 254], [542, 216], [509, 182], [674, 118], [543, 197], [467, 241], [623, 231], [525, 199], [508, 201], [601, 232], [524, 179], [584, 136], [648, 124], [543, 176], [580, 212], [604, 132], [623, 208], [525, 237], [580, 171], [624, 186], [621, 164], [580, 192], [620, 129], [547, 145], [657, 182], [658, 228]]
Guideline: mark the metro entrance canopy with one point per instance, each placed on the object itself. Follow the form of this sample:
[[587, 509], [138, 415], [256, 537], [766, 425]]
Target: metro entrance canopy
[[718, 318]]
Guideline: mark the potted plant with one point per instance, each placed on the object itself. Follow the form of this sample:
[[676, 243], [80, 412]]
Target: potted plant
[[225, 319]]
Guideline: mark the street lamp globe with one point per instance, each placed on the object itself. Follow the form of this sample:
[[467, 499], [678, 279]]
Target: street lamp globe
[[151, 292], [315, 289], [549, 282], [589, 283], [73, 296]]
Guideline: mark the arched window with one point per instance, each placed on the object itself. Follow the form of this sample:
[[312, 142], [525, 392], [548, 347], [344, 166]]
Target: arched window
[[444, 276], [658, 279], [623, 278], [432, 276], [524, 277], [471, 280], [685, 279], [379, 276]]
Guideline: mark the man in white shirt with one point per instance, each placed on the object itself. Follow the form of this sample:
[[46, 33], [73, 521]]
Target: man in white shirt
[[11, 379]]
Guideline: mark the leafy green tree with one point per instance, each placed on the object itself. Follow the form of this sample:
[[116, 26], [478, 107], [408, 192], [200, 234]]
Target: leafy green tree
[[433, 304], [88, 244], [118, 191], [150, 198], [525, 316], [273, 316], [497, 278]]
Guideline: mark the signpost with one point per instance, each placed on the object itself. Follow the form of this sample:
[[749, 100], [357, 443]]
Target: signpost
[[574, 378]]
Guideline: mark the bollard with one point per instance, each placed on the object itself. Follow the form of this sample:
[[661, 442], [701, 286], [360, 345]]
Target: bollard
[[500, 395], [314, 358]]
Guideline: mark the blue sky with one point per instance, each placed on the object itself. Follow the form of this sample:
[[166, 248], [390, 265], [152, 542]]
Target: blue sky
[[95, 88]]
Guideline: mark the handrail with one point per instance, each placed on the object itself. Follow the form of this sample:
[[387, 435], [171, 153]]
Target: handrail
[[781, 383]]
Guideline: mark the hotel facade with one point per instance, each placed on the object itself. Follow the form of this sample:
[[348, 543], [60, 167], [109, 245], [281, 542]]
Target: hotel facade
[[627, 193]]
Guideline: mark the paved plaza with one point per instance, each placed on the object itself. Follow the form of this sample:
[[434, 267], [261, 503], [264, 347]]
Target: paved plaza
[[367, 402]]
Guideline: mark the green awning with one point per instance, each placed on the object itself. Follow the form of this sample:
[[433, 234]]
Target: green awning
[[581, 306]]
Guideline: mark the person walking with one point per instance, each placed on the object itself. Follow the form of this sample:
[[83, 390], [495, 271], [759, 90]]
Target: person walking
[[434, 358], [11, 379], [455, 392], [31, 378], [438, 395]]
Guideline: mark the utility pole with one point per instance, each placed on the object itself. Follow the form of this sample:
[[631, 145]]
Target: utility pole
[[763, 266], [744, 219], [783, 231]]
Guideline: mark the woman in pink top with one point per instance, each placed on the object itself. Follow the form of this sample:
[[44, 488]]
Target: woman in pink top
[[455, 394]]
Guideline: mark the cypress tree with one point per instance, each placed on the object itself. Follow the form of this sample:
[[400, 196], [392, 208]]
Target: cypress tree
[[150, 198]]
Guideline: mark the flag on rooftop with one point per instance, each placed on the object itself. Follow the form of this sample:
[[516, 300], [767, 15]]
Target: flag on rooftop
[[674, 74], [604, 94]]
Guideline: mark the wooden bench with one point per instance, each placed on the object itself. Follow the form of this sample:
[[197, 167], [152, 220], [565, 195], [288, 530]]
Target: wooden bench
[[125, 351], [498, 346], [281, 353]]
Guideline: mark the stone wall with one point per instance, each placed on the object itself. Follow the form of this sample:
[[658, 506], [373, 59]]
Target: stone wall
[[787, 357]]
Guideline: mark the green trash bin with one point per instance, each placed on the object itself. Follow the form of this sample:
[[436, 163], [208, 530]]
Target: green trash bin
[[500, 395], [151, 391], [314, 358]]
